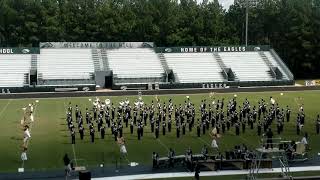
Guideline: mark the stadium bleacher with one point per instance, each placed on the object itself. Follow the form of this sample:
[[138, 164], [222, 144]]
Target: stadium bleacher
[[133, 63], [194, 67], [65, 64], [276, 64], [14, 70], [144, 68], [247, 66]]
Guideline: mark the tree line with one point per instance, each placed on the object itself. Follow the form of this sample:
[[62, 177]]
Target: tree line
[[289, 26]]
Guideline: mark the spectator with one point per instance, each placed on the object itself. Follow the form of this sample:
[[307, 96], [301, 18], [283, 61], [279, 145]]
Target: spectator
[[171, 155], [67, 165], [155, 159], [197, 171]]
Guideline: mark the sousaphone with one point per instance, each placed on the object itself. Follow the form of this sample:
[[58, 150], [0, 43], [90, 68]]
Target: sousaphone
[[107, 102]]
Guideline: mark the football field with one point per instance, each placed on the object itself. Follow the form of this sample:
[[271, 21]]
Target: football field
[[50, 137]]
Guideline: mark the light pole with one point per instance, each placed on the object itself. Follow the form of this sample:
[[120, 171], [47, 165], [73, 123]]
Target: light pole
[[247, 19]]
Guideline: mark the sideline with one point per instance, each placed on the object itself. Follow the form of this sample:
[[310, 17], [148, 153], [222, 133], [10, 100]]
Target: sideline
[[160, 92], [208, 173]]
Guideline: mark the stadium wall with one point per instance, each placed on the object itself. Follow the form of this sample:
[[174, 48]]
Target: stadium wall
[[207, 85], [39, 89]]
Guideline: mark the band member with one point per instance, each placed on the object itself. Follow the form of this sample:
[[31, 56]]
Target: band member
[[183, 128], [163, 128], [288, 111], [203, 128], [120, 129], [243, 123], [100, 122], [198, 130], [178, 131], [259, 128], [251, 121], [139, 129], [298, 125], [228, 125], [169, 125], [157, 131], [131, 127], [73, 136], [102, 132], [77, 112], [237, 126], [81, 132], [152, 125], [142, 130], [92, 135], [87, 116], [223, 127]]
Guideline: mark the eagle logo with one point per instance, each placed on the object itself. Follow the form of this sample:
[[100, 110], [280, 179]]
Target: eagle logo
[[25, 51]]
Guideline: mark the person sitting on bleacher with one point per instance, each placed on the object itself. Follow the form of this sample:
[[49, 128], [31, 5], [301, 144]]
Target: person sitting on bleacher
[[204, 151], [189, 159], [290, 150], [269, 135], [171, 155], [155, 160]]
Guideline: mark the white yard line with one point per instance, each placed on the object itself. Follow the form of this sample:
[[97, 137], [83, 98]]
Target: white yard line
[[74, 155], [5, 107], [160, 142], [207, 143], [73, 150]]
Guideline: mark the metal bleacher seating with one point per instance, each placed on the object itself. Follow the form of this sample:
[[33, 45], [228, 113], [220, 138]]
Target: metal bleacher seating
[[65, 65], [135, 65], [14, 70], [247, 66], [194, 67], [276, 64]]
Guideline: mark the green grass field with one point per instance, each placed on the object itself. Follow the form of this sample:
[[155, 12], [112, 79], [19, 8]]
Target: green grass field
[[51, 140]]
